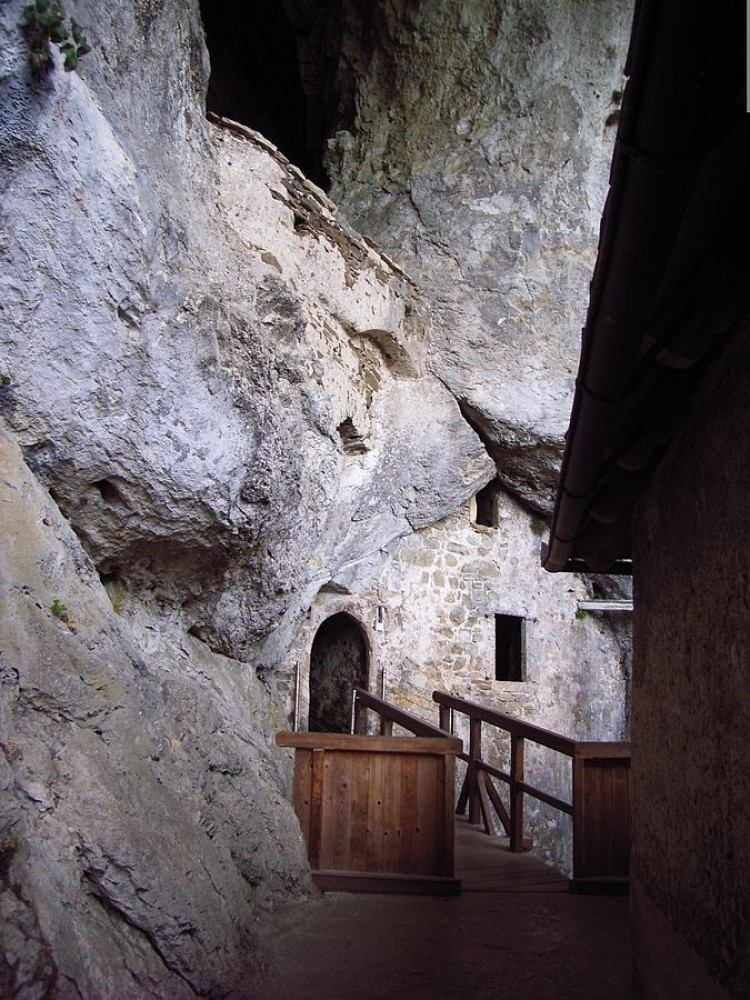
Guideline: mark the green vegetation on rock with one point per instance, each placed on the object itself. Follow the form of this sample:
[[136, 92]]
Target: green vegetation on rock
[[44, 23]]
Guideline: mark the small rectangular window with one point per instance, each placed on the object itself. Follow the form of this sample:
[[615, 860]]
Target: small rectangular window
[[509, 648], [486, 501]]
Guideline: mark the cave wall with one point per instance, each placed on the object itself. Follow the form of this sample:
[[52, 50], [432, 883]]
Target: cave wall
[[219, 401], [145, 818], [208, 389], [478, 157]]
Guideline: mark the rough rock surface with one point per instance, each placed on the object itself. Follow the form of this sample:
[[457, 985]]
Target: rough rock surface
[[478, 157], [212, 318], [140, 798], [218, 399], [221, 390]]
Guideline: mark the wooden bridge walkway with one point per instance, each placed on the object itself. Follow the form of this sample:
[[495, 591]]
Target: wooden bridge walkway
[[485, 864], [514, 933], [377, 813]]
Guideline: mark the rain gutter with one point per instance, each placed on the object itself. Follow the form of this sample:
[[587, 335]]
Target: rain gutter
[[669, 120]]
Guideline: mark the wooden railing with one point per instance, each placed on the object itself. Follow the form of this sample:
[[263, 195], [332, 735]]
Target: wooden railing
[[601, 792], [389, 716], [376, 812]]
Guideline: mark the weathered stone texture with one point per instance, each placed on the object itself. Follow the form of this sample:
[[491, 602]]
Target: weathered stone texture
[[217, 384], [478, 157], [139, 788], [199, 314], [227, 402]]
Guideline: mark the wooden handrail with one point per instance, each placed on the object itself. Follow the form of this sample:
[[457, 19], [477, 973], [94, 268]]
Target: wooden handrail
[[391, 715], [599, 779], [516, 727], [383, 744], [592, 764]]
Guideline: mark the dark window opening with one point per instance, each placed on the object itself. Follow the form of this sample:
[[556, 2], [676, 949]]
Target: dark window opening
[[351, 440], [486, 501], [508, 648], [338, 663], [272, 74]]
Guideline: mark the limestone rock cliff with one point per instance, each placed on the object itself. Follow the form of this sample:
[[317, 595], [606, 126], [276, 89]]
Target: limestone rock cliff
[[478, 156], [141, 805], [217, 400], [216, 390]]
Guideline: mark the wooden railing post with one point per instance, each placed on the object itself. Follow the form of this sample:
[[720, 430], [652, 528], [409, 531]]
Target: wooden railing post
[[446, 722], [601, 817], [358, 715], [516, 793], [578, 823], [317, 764], [475, 754]]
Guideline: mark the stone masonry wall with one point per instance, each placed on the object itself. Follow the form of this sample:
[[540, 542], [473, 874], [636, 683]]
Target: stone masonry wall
[[439, 592]]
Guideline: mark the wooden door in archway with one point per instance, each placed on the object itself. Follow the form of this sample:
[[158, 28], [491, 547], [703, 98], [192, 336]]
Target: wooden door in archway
[[339, 662]]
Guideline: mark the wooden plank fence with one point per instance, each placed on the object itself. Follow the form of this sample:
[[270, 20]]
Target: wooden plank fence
[[376, 811]]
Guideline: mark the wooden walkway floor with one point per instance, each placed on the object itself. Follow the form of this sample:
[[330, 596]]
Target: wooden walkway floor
[[484, 864], [514, 933]]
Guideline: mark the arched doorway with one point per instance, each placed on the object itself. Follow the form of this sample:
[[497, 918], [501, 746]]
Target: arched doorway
[[339, 662]]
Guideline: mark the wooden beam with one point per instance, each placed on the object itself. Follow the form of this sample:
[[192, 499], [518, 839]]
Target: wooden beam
[[369, 744]]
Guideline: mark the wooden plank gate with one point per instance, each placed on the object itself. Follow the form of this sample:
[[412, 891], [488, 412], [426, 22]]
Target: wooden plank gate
[[376, 811]]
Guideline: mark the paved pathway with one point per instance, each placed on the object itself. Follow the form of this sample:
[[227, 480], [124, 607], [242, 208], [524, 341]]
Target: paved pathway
[[514, 933]]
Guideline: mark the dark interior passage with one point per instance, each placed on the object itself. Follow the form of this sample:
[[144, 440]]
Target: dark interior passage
[[268, 71], [486, 501], [338, 664], [508, 648]]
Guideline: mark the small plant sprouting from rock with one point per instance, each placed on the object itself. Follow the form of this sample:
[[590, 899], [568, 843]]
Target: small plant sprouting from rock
[[539, 526], [581, 614], [44, 23], [59, 610], [75, 47]]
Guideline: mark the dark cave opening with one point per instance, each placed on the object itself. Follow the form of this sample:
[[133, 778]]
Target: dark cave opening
[[339, 662], [273, 68]]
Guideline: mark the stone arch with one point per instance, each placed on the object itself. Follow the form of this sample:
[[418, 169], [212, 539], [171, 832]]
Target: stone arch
[[339, 662]]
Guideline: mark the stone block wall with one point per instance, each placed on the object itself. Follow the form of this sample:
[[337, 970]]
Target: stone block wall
[[438, 594]]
